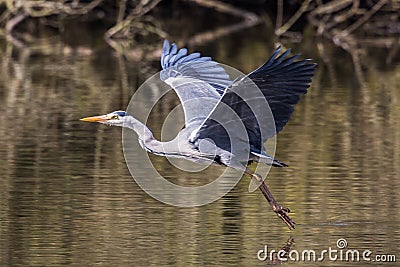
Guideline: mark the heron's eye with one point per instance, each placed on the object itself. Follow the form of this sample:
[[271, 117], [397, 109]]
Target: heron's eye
[[114, 117]]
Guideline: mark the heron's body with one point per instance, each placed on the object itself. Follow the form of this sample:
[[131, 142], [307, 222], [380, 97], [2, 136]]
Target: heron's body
[[226, 120]]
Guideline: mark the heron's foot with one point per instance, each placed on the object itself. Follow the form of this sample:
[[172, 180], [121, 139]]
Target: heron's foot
[[282, 213]]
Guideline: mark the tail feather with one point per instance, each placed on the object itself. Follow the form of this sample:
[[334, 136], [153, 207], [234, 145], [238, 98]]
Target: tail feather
[[277, 163], [267, 159]]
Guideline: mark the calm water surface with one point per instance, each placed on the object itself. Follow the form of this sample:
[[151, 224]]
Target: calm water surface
[[67, 197]]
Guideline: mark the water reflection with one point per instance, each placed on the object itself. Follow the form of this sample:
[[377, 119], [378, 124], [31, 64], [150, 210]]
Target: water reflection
[[67, 197]]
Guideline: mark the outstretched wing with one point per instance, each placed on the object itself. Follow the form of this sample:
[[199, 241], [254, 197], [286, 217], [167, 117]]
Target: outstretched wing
[[280, 82], [198, 81]]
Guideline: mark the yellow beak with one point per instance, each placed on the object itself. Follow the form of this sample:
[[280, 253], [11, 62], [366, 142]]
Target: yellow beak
[[96, 118]]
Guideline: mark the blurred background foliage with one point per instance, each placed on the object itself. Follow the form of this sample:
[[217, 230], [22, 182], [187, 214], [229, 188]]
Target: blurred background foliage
[[128, 25]]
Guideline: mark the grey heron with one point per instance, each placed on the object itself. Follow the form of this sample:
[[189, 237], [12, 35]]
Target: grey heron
[[281, 80]]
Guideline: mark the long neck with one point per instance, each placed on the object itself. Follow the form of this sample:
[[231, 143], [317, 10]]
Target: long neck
[[142, 131], [145, 136]]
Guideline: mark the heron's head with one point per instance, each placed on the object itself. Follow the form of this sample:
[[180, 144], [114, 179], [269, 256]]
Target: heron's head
[[115, 118]]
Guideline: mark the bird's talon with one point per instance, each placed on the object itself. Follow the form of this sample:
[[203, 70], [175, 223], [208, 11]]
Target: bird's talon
[[282, 213], [278, 208], [286, 209]]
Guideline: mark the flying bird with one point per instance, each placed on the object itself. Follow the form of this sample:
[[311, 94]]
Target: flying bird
[[207, 94]]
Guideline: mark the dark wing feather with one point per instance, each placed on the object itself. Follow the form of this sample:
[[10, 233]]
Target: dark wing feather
[[280, 82]]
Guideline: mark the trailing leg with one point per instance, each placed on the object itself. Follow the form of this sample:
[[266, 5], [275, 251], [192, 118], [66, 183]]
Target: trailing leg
[[282, 212]]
